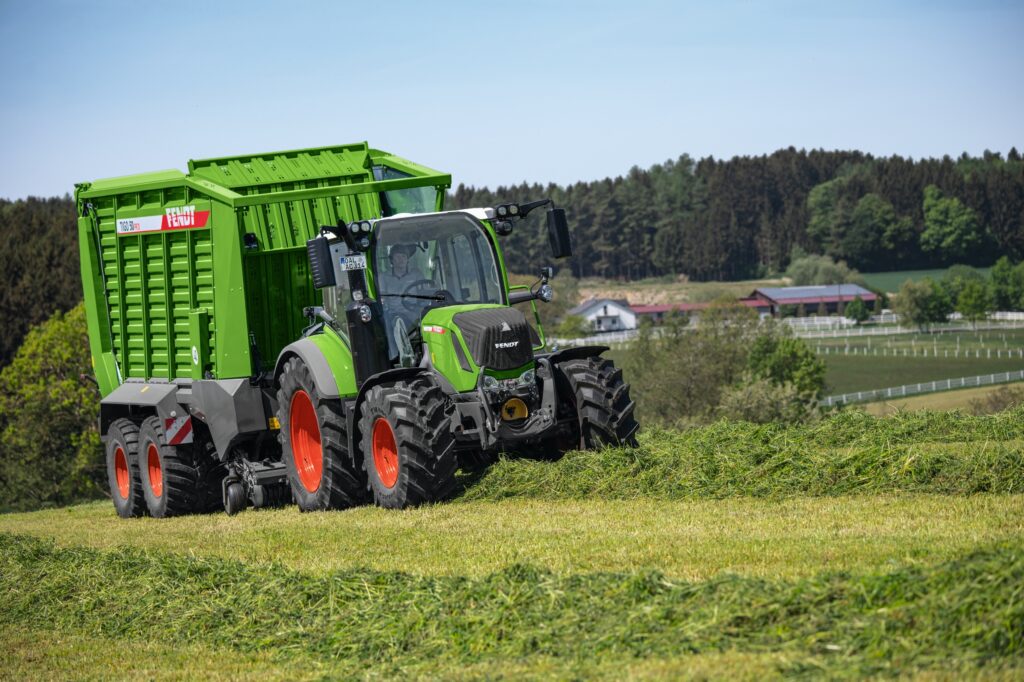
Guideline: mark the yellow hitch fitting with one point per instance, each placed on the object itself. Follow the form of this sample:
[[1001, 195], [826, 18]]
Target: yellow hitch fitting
[[514, 409]]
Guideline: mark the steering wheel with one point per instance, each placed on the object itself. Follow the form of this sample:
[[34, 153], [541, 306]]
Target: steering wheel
[[413, 305]]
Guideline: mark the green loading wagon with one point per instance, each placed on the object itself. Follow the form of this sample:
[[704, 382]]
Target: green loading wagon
[[312, 326]]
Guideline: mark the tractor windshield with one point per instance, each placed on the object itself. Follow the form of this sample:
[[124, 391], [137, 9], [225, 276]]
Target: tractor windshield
[[431, 260]]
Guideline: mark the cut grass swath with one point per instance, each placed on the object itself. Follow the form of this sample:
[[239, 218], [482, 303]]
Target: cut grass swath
[[847, 453], [966, 612]]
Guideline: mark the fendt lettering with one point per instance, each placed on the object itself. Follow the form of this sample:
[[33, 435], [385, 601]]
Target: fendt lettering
[[181, 216], [238, 371]]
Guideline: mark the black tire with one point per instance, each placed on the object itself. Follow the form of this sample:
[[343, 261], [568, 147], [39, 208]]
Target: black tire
[[417, 414], [234, 498], [170, 483], [122, 452], [321, 471], [602, 402]]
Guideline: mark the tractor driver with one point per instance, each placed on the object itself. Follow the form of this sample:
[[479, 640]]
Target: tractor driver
[[402, 273], [403, 277]]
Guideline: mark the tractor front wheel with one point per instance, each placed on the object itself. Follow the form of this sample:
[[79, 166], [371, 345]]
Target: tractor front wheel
[[407, 444], [602, 402], [314, 444]]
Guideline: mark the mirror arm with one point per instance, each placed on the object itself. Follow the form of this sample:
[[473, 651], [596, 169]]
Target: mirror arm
[[524, 209]]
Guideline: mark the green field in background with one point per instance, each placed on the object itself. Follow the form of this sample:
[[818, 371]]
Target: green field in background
[[849, 373], [891, 282]]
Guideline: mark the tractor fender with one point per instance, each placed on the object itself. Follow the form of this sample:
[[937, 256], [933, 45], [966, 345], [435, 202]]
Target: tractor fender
[[574, 353], [314, 359], [352, 409]]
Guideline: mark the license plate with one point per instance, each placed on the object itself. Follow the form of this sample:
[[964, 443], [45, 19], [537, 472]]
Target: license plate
[[353, 262]]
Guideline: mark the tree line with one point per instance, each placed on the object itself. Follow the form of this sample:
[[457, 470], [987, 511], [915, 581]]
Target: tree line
[[742, 218], [963, 290], [707, 219]]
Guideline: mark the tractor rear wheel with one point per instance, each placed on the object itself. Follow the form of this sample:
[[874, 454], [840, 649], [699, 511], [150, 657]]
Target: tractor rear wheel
[[122, 452], [170, 483], [602, 402], [314, 444], [407, 444]]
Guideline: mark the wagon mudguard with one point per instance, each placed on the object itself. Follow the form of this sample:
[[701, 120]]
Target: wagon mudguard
[[138, 398]]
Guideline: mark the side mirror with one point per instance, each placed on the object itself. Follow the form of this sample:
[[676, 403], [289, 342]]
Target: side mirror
[[558, 233], [320, 265]]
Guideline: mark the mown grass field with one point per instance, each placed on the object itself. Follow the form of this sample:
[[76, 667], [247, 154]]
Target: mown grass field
[[847, 548]]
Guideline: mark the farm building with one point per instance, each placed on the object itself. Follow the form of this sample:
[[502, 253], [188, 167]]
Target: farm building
[[606, 314], [657, 313], [825, 298]]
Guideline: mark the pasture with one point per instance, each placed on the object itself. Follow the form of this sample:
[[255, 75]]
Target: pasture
[[890, 282]]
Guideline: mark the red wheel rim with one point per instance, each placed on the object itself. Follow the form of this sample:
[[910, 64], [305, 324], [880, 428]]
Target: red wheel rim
[[304, 432], [121, 472], [156, 475], [385, 452]]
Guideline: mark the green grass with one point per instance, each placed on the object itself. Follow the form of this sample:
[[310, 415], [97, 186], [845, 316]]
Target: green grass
[[891, 281], [29, 653], [942, 401], [684, 539], [844, 454], [956, 615], [849, 373], [851, 547]]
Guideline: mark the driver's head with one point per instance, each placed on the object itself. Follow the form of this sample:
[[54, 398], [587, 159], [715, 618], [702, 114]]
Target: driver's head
[[399, 254]]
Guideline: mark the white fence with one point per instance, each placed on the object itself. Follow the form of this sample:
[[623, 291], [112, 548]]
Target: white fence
[[625, 337], [924, 352], [922, 388], [815, 324], [857, 332]]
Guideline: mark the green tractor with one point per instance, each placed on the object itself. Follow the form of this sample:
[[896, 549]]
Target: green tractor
[[312, 326]]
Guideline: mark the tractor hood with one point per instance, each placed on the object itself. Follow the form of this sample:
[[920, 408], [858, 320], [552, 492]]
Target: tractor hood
[[467, 338], [497, 338]]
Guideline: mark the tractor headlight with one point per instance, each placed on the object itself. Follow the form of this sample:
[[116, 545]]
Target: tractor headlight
[[489, 381], [528, 377]]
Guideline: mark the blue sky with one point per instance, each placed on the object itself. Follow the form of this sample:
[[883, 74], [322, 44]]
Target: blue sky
[[498, 93]]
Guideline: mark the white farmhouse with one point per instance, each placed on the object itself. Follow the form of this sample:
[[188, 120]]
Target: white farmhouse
[[606, 314]]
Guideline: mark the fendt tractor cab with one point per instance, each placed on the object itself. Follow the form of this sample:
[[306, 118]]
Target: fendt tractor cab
[[311, 325]]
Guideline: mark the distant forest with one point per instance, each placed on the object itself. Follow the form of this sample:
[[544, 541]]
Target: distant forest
[[742, 218], [706, 219]]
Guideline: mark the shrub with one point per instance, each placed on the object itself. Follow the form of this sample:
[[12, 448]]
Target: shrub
[[50, 449], [762, 401]]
